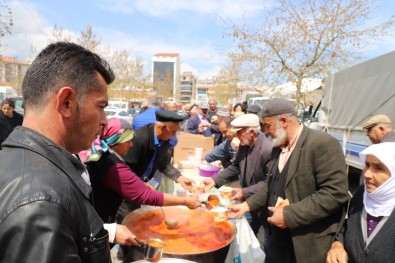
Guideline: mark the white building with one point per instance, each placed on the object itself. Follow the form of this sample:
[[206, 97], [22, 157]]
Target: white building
[[166, 73]]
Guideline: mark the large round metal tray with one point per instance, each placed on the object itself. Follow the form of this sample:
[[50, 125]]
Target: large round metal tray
[[196, 233]]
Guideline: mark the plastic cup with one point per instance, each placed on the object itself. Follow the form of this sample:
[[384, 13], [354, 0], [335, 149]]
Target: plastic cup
[[226, 192], [220, 214], [197, 187], [154, 249], [198, 156]]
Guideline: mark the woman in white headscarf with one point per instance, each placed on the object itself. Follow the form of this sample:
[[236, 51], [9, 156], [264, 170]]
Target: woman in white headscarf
[[368, 235]]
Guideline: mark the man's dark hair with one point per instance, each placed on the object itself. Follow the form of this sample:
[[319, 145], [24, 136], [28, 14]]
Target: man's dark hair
[[227, 121], [63, 64]]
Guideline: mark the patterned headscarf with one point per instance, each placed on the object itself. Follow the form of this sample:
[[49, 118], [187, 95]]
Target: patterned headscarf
[[116, 132]]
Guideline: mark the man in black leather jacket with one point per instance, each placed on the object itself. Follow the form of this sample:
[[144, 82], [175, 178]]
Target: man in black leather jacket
[[46, 213]]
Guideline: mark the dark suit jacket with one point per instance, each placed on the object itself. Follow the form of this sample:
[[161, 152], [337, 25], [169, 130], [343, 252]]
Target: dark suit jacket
[[139, 155], [193, 126], [316, 187], [380, 249], [252, 176]]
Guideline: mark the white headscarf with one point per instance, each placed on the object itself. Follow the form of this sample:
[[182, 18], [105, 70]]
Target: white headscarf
[[381, 202]]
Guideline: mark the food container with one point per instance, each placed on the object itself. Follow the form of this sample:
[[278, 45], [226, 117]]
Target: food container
[[226, 192], [208, 170], [153, 250], [186, 164], [220, 213], [197, 236], [197, 187]]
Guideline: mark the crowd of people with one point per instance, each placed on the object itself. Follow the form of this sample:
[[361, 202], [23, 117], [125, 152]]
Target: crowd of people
[[69, 175]]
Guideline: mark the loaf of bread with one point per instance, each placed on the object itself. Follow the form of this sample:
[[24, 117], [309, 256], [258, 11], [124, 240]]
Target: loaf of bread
[[281, 203]]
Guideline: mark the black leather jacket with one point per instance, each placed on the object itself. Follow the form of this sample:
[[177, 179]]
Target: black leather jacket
[[45, 209]]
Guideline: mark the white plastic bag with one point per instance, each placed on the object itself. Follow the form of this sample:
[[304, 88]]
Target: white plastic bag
[[245, 248]]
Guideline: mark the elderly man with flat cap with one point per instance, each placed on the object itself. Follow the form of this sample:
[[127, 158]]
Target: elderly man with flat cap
[[150, 151], [200, 124], [308, 171], [249, 166], [379, 129]]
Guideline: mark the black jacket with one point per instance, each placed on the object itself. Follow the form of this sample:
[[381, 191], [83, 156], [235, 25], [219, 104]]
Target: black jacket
[[5, 127], [45, 209], [139, 156]]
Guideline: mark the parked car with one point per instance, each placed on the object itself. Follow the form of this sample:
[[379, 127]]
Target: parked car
[[19, 107], [118, 113], [134, 111]]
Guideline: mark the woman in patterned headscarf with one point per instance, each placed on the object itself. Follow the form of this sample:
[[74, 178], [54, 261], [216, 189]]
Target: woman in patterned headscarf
[[369, 232], [112, 180]]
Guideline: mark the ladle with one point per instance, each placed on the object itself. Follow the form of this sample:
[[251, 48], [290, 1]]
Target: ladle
[[172, 223], [212, 201]]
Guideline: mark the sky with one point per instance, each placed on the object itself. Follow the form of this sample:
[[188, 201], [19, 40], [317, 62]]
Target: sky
[[192, 28]]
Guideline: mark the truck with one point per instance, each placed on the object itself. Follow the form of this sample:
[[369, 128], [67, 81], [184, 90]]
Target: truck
[[350, 97], [260, 101]]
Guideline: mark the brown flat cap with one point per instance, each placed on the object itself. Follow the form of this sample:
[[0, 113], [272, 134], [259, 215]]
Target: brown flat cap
[[375, 120], [277, 106]]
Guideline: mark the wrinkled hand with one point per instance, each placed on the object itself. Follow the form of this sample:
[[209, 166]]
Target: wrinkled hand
[[277, 218], [124, 236], [238, 195], [337, 253], [192, 201], [208, 184], [237, 211], [186, 183]]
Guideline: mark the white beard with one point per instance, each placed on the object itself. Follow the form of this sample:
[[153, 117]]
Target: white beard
[[281, 136]]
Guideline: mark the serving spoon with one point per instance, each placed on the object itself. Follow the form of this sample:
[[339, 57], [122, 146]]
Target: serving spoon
[[170, 223]]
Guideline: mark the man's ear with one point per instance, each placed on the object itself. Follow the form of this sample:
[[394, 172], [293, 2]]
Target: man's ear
[[65, 99], [381, 128]]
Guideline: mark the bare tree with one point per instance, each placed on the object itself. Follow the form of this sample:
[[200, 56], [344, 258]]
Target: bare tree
[[89, 40], [227, 82], [6, 21], [163, 84], [131, 82], [58, 34], [306, 38]]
